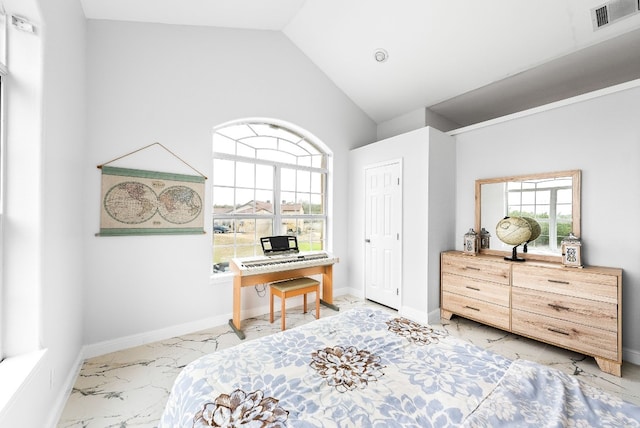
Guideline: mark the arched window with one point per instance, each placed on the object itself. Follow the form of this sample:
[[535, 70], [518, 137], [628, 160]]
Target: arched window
[[267, 180]]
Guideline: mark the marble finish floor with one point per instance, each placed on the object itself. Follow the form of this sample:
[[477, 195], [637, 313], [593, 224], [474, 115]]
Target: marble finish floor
[[129, 388]]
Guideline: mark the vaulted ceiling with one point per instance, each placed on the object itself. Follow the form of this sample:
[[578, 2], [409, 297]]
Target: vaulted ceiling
[[467, 60]]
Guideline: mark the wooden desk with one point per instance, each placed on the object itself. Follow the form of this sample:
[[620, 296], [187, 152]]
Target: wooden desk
[[245, 279]]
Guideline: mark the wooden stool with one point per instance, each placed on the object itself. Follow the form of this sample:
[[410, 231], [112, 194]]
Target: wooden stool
[[291, 288]]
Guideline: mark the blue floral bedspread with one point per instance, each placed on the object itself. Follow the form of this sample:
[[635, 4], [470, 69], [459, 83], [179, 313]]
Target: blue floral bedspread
[[366, 368]]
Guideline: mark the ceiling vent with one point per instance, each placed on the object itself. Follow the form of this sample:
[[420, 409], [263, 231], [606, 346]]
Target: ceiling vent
[[612, 11]]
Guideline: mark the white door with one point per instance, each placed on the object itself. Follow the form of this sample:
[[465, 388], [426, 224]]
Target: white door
[[383, 228]]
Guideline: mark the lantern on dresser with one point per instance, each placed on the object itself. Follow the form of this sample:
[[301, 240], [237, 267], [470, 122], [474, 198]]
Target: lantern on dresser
[[470, 244], [571, 251], [485, 238]]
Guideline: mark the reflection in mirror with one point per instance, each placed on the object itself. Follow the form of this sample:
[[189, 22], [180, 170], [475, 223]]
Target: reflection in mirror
[[552, 199]]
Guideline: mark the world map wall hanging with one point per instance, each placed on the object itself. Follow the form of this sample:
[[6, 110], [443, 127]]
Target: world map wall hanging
[[140, 202]]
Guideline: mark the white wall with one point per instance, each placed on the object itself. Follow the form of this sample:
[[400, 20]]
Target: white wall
[[600, 136], [43, 265], [173, 84], [428, 162]]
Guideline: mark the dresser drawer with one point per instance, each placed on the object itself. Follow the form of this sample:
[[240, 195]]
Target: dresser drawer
[[581, 338], [582, 283], [581, 311], [477, 310], [474, 267], [476, 289]]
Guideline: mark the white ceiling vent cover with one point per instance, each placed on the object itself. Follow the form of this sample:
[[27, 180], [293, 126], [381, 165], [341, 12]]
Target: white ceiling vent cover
[[612, 11]]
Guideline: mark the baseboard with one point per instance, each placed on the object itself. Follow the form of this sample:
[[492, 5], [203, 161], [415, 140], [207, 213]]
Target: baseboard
[[414, 314], [67, 387], [630, 355], [108, 346], [347, 291]]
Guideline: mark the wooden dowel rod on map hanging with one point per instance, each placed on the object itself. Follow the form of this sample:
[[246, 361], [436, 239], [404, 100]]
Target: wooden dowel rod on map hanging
[[146, 147]]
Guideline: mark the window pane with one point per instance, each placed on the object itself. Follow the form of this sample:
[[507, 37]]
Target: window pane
[[222, 144], [303, 202], [542, 211], [305, 161], [276, 156], [310, 233], [317, 180], [223, 172], [238, 238], [288, 180], [564, 210], [264, 206], [222, 200], [318, 161], [248, 236], [245, 202], [287, 198], [317, 205], [528, 198], [264, 176], [304, 181], [249, 229], [564, 196], [513, 198], [246, 151], [291, 208], [245, 174], [543, 197], [294, 149], [262, 143]]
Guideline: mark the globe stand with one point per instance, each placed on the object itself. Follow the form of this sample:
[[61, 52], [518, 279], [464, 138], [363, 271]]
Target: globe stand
[[514, 254]]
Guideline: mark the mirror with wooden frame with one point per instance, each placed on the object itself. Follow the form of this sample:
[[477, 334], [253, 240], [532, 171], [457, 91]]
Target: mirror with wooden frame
[[552, 199]]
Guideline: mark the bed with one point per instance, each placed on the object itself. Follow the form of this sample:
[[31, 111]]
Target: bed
[[366, 367]]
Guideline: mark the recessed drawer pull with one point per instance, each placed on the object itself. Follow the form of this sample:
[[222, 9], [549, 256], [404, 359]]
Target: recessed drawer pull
[[558, 307], [558, 282], [473, 288], [471, 307], [558, 331], [471, 268]]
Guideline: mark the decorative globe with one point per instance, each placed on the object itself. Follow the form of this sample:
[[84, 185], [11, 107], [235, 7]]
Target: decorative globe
[[517, 230], [535, 228]]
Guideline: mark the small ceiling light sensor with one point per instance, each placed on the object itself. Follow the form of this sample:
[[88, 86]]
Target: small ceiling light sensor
[[22, 24], [381, 55]]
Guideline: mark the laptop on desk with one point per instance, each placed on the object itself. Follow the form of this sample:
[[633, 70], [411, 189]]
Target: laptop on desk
[[279, 245]]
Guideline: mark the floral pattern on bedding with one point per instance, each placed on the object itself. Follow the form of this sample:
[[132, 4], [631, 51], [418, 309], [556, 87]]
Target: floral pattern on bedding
[[367, 368], [241, 409], [346, 368], [414, 332]]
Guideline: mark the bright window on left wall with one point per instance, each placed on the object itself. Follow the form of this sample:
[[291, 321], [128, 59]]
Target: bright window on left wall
[[3, 73], [267, 180]]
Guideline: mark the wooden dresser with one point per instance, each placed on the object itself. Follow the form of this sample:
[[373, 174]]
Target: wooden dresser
[[576, 309]]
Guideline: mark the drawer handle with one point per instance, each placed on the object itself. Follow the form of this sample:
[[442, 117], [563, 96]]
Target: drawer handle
[[558, 282], [473, 288], [471, 307], [471, 268], [558, 331], [558, 307]]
